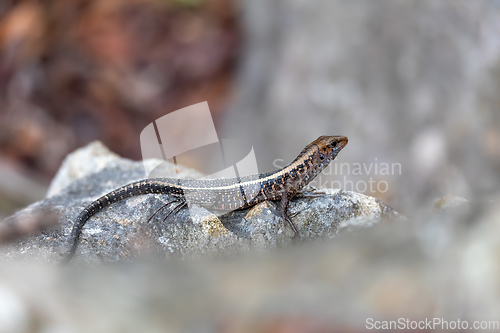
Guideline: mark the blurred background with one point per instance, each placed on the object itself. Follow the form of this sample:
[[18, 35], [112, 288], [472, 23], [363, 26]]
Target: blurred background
[[413, 84]]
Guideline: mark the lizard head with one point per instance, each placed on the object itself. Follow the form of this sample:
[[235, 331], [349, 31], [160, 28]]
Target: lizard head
[[330, 146], [318, 154]]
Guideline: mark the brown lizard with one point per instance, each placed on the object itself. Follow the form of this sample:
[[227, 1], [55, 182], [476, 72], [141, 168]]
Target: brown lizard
[[228, 194]]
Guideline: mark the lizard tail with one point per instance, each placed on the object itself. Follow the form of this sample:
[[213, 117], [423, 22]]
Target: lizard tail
[[97, 205]]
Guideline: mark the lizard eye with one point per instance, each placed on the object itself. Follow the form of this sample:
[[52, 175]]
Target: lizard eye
[[332, 144]]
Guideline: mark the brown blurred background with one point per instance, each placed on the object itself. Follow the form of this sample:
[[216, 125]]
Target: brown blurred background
[[76, 71], [410, 82]]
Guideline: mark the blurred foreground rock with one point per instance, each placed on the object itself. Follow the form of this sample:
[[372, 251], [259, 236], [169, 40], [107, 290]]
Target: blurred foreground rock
[[122, 230], [443, 267]]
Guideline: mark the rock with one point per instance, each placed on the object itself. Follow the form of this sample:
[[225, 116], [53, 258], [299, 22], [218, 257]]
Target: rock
[[122, 231], [444, 265], [377, 274], [83, 162]]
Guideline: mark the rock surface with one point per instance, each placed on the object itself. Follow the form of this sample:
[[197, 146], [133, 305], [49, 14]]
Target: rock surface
[[122, 230], [444, 265]]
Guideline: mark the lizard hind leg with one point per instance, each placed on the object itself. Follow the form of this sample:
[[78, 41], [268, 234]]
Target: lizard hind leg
[[178, 199], [176, 209]]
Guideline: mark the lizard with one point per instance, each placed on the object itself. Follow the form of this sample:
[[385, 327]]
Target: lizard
[[227, 194]]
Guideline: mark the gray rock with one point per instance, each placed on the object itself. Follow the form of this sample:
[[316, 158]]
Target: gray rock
[[444, 265], [386, 272], [124, 230]]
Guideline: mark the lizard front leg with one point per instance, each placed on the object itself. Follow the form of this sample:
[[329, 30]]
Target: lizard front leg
[[285, 201]]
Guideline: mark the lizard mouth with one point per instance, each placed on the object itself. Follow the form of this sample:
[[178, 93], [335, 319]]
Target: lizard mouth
[[342, 142]]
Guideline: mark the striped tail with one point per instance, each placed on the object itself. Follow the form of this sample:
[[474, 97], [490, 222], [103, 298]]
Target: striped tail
[[97, 205]]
